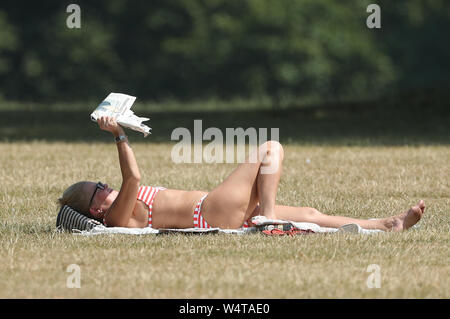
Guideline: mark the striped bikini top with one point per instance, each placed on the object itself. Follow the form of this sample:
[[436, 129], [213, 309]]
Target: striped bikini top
[[147, 195]]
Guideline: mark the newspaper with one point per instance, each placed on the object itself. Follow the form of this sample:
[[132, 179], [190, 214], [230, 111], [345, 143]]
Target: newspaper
[[118, 105]]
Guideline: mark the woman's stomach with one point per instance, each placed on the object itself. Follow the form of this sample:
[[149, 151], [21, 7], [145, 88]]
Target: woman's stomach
[[173, 208]]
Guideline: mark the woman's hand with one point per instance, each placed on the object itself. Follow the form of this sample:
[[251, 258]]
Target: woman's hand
[[110, 124]]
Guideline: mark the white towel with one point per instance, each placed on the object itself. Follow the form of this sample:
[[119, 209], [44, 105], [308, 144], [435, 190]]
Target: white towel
[[257, 220]]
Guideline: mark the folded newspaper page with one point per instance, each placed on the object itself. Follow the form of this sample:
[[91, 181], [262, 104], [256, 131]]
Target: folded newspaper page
[[118, 105]]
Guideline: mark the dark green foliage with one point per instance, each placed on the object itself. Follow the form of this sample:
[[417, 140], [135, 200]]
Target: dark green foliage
[[316, 50]]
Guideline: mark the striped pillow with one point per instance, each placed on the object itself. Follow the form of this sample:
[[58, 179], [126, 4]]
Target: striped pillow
[[70, 220]]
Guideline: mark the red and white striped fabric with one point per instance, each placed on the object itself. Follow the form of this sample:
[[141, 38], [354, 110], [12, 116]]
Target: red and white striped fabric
[[199, 221], [147, 195]]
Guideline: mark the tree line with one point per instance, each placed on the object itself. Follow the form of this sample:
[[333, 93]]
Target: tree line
[[193, 49]]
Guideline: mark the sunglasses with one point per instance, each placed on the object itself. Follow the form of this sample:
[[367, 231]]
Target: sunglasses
[[100, 186]]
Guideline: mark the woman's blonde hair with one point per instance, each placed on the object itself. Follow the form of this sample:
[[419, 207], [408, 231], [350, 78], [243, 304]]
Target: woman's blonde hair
[[76, 197]]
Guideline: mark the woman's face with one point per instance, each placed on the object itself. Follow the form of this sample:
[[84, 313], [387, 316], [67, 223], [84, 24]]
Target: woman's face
[[102, 198]]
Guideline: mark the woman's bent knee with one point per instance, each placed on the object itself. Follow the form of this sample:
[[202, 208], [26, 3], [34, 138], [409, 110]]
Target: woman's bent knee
[[272, 146], [271, 155]]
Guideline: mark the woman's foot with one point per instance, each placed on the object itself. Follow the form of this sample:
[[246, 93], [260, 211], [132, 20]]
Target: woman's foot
[[406, 219]]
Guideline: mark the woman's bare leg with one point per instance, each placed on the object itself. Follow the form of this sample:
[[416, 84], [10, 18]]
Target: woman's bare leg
[[255, 180], [268, 179], [311, 215], [236, 198]]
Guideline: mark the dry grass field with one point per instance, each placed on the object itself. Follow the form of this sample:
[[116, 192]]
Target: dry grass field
[[358, 181]]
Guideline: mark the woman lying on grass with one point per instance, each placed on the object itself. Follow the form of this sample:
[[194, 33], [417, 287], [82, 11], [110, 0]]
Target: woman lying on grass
[[248, 191]]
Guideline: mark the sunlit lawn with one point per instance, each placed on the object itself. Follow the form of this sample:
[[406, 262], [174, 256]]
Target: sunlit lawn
[[359, 181]]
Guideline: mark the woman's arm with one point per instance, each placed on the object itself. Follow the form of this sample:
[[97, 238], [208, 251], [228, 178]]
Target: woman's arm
[[120, 212]]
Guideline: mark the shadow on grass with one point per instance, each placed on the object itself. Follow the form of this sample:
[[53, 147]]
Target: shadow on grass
[[346, 124]]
